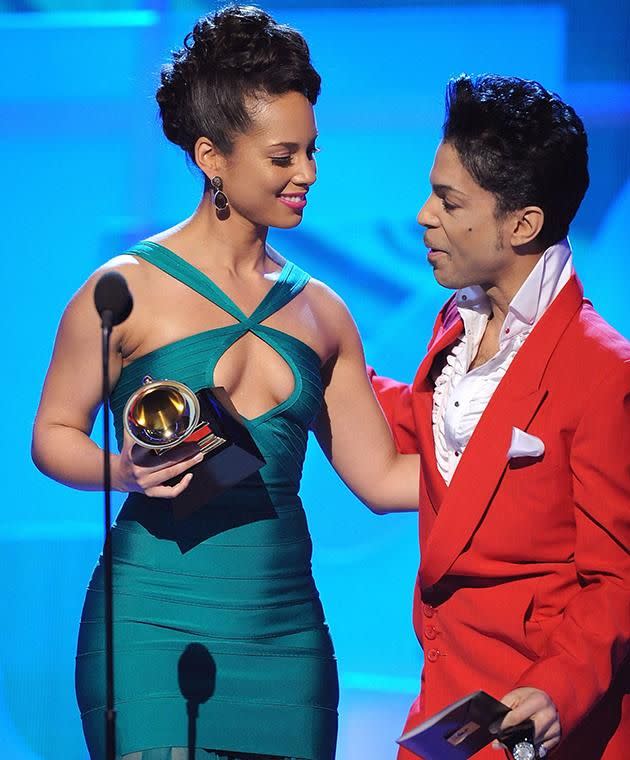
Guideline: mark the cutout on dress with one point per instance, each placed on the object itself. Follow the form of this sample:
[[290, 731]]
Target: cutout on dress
[[255, 375]]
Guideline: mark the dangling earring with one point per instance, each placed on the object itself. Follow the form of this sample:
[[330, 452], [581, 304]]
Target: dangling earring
[[219, 198]]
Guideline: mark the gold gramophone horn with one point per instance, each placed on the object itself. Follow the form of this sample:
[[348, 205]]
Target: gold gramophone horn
[[161, 413]]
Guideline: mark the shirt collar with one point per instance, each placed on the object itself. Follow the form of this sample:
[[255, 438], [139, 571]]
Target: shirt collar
[[543, 284], [547, 278]]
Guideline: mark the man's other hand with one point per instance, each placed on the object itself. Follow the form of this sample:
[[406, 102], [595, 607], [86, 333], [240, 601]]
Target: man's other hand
[[527, 702]]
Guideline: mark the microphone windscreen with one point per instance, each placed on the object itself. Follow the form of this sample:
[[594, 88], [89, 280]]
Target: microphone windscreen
[[111, 294]]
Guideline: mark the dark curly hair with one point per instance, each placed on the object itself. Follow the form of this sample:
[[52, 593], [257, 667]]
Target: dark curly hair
[[521, 143], [233, 54]]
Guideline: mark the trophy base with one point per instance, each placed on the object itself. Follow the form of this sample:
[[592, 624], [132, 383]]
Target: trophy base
[[231, 454]]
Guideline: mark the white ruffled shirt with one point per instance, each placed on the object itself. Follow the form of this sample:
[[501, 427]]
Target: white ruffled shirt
[[460, 396]]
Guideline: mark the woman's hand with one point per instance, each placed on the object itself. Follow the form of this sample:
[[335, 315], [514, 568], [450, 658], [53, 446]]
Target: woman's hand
[[140, 470]]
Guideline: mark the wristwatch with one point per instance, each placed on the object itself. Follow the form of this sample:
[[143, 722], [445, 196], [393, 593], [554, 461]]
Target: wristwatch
[[524, 750], [519, 740]]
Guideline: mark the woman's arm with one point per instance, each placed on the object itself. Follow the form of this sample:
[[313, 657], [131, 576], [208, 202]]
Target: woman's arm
[[71, 397], [352, 430], [395, 400]]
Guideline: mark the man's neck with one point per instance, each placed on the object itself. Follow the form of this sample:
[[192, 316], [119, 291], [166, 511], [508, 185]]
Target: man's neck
[[514, 307], [501, 294]]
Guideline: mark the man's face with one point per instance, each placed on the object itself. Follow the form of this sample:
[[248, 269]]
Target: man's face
[[467, 244]]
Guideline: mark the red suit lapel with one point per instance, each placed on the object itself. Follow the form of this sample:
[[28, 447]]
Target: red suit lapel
[[520, 394]]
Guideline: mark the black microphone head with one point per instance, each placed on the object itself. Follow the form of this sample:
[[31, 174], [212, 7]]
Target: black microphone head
[[112, 298]]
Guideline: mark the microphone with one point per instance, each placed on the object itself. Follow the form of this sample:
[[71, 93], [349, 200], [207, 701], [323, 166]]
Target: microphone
[[114, 303], [112, 299]]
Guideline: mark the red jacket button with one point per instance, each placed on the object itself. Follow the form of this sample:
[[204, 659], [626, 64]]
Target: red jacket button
[[431, 632], [432, 655], [428, 610]]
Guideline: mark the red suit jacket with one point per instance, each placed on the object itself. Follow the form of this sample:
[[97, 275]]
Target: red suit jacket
[[524, 577]]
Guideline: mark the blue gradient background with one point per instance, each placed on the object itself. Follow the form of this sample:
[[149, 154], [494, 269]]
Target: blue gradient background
[[86, 171]]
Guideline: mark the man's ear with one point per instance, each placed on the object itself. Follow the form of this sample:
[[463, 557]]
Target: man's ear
[[527, 224], [208, 158]]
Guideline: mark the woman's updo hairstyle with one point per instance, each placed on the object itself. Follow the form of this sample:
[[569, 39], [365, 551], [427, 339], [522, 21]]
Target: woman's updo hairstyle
[[233, 54]]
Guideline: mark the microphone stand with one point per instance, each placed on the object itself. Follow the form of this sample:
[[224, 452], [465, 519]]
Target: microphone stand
[[110, 713]]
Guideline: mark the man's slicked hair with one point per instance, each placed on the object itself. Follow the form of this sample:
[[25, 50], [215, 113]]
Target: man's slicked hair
[[521, 143]]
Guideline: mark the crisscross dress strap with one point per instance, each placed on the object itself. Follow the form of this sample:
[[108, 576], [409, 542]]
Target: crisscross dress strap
[[289, 284]]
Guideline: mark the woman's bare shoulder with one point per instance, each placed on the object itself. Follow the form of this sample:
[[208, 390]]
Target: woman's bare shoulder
[[331, 312], [326, 300], [80, 317]]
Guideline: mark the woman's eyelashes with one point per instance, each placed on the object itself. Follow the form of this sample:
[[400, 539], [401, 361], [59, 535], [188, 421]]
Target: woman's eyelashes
[[448, 206], [287, 160]]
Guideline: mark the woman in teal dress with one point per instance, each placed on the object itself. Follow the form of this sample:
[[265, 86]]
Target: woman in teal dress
[[220, 608]]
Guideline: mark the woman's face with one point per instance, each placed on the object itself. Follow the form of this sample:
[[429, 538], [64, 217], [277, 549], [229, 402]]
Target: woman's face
[[272, 165]]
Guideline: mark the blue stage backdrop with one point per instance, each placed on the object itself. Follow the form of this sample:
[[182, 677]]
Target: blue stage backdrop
[[86, 171]]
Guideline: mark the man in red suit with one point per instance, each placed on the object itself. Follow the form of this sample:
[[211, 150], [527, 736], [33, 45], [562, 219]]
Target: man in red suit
[[521, 414]]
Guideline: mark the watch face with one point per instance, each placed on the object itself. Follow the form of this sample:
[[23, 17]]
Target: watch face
[[524, 751]]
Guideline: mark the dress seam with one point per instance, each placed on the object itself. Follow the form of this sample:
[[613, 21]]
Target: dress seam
[[197, 603], [227, 700], [195, 575], [214, 636]]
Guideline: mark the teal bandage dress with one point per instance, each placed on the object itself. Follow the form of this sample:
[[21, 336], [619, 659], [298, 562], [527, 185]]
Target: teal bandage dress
[[219, 632]]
